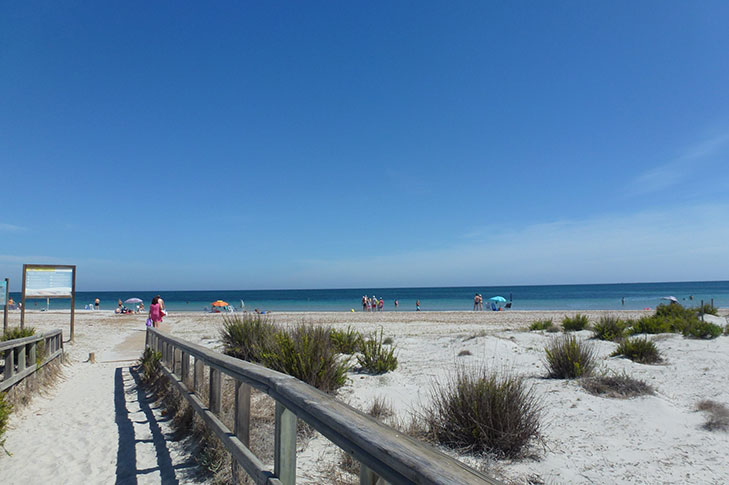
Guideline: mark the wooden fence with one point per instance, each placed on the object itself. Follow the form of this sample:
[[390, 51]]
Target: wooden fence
[[21, 356], [385, 455]]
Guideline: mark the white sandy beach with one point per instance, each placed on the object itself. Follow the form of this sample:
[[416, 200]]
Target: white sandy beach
[[74, 433]]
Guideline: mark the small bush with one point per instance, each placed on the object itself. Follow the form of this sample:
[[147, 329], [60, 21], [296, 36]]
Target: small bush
[[575, 324], [484, 411], [541, 324], [307, 353], [703, 330], [375, 358], [609, 328], [388, 341], [639, 350], [5, 409], [247, 338], [718, 415], [17, 332], [150, 364], [464, 352], [346, 341], [655, 324], [616, 385], [566, 357]]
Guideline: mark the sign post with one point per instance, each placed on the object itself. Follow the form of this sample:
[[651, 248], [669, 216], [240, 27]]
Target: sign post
[[4, 301], [49, 281]]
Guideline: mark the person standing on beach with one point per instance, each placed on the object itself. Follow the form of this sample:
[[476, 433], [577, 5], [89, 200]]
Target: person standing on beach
[[155, 312], [417, 305], [96, 304], [396, 303]]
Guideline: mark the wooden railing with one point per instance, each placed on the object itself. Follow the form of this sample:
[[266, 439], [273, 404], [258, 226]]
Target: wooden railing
[[21, 355], [384, 453]]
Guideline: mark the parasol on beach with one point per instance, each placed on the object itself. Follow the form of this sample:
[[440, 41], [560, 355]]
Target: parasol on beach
[[219, 303], [133, 300], [500, 299], [670, 298]]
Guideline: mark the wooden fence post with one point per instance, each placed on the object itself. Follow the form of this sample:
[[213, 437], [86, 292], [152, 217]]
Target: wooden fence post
[[215, 391], [197, 380], [185, 377], [242, 419], [21, 358], [32, 355], [284, 465], [9, 363]]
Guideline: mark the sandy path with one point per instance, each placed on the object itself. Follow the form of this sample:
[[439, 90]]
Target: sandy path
[[96, 426]]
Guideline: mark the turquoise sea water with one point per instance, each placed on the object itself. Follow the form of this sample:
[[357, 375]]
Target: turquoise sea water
[[543, 297]]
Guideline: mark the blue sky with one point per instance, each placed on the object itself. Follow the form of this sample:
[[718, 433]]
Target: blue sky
[[242, 145]]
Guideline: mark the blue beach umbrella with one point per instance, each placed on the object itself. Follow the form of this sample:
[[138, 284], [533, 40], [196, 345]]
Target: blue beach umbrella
[[500, 299]]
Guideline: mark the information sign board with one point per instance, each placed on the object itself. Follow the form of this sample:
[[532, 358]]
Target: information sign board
[[48, 282], [3, 290]]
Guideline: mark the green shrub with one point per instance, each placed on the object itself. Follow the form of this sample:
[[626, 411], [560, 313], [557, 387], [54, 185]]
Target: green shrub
[[541, 324], [703, 330], [484, 411], [150, 363], [574, 324], [307, 353], [346, 341], [5, 409], [609, 328], [717, 415], [654, 324], [247, 338], [639, 350], [17, 332], [566, 357], [375, 358]]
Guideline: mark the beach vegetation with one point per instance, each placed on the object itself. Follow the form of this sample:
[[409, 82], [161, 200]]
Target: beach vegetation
[[306, 352], [567, 357], [541, 324], [16, 332], [381, 408], [638, 349], [575, 324], [707, 308], [464, 352], [484, 411], [717, 415], [375, 357], [702, 330], [347, 341], [388, 341], [5, 409], [609, 328], [247, 337], [616, 385], [150, 364]]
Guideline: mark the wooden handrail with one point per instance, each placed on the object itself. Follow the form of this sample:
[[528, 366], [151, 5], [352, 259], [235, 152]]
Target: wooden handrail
[[382, 451], [20, 356]]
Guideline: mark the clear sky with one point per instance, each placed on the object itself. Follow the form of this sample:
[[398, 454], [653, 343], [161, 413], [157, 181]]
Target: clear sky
[[245, 145]]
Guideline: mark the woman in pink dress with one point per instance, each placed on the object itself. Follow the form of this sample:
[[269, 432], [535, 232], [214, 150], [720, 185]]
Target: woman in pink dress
[[155, 312]]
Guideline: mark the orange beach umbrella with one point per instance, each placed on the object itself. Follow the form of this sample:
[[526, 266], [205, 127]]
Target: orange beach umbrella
[[220, 303]]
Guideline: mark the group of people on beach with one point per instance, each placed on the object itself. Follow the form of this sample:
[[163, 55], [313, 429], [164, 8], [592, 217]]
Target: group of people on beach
[[156, 312], [373, 304]]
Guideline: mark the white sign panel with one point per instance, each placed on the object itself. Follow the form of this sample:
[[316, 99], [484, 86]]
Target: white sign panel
[[3, 289], [48, 282]]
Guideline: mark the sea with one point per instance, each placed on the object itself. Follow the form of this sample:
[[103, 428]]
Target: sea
[[618, 296]]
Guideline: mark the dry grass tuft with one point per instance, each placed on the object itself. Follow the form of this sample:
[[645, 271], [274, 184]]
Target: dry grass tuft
[[464, 352], [717, 415], [619, 386]]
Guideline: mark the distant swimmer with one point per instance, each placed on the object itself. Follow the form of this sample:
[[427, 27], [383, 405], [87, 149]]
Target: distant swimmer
[[396, 302], [623, 301], [417, 305]]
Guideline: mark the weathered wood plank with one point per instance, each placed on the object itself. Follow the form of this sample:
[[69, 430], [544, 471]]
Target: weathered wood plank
[[216, 390], [284, 454]]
